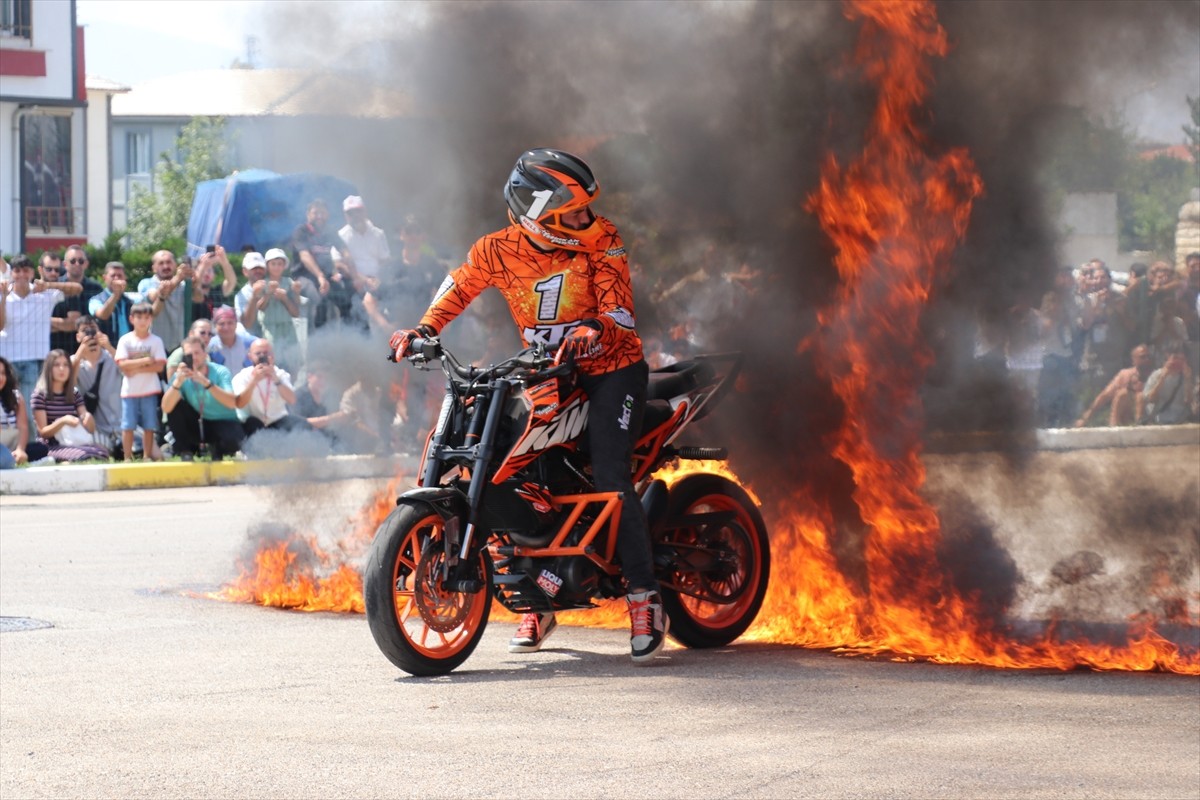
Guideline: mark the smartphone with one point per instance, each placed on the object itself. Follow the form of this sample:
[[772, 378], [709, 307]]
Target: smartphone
[[262, 358], [187, 361], [212, 248]]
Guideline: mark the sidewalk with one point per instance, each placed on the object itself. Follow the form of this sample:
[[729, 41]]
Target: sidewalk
[[161, 475]]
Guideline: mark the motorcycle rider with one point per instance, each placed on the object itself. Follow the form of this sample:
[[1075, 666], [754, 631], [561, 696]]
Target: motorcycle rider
[[563, 271]]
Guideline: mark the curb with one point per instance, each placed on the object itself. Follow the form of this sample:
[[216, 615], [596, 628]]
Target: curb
[[103, 477]]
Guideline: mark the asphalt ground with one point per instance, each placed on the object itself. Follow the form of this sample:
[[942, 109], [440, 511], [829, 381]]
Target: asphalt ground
[[144, 689]]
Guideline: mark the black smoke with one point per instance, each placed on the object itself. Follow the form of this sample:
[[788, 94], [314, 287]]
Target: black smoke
[[707, 124]]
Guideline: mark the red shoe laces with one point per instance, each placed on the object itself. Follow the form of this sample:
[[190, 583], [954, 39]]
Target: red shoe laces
[[641, 617], [529, 626]]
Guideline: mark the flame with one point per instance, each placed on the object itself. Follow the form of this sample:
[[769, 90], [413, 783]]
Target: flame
[[895, 216]]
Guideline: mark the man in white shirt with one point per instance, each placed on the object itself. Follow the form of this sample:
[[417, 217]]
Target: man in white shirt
[[366, 247], [28, 311], [263, 392]]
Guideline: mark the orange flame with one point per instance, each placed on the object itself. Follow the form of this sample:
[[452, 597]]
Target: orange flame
[[895, 216]]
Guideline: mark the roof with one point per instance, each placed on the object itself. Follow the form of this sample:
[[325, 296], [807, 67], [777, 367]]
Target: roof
[[95, 83], [260, 93], [1177, 151]]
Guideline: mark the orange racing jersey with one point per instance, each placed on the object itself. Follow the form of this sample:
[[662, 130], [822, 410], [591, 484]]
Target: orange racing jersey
[[549, 293]]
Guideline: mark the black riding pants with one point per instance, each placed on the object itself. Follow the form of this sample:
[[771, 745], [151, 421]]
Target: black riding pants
[[617, 400]]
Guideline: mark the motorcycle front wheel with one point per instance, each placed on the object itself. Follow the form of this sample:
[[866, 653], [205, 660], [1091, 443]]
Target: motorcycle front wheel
[[719, 560], [421, 626]]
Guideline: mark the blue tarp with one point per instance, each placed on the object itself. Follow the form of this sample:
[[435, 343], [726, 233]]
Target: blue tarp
[[258, 207]]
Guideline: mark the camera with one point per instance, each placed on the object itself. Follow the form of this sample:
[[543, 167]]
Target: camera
[[90, 331], [187, 361]]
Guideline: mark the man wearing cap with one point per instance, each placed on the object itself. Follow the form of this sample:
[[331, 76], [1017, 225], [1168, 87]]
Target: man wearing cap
[[325, 285], [245, 302], [365, 246]]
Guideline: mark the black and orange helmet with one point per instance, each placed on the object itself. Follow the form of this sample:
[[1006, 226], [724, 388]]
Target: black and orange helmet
[[544, 185]]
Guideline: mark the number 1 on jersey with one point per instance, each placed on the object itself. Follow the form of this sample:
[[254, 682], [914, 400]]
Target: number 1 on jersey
[[550, 291]]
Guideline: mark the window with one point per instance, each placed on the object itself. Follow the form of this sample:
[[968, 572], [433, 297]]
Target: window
[[46, 171], [137, 153], [15, 18]]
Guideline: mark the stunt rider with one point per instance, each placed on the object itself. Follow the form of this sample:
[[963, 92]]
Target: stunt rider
[[565, 276]]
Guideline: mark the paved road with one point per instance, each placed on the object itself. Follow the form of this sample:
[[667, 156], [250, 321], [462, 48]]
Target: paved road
[[140, 690]]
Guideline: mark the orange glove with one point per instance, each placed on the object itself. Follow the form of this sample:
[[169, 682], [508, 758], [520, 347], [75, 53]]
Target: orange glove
[[582, 342], [402, 339]]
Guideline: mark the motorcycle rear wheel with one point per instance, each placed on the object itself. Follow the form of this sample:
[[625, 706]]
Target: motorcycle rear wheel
[[712, 603], [422, 628]]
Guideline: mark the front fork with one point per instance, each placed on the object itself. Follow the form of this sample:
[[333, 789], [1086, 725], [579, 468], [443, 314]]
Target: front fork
[[459, 569]]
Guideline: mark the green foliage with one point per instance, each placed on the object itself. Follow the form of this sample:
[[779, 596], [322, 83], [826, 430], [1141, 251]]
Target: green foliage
[[1084, 154], [1192, 131], [1149, 195], [204, 153]]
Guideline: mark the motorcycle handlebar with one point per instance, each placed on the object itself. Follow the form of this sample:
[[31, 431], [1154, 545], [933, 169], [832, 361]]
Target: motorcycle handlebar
[[533, 359]]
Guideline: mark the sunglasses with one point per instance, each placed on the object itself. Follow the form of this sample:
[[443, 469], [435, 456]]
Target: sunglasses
[[51, 269], [77, 261]]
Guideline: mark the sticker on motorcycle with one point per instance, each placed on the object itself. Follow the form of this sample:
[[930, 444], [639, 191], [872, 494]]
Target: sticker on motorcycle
[[549, 582]]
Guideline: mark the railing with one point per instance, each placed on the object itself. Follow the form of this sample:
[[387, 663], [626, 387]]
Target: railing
[[52, 219]]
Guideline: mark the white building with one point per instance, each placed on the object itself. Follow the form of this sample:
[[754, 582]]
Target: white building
[[41, 113]]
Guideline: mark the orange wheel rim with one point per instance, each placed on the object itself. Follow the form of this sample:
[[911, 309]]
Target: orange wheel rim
[[413, 604], [743, 548]]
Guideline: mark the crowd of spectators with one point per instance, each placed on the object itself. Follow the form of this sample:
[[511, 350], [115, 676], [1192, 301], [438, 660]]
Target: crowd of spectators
[[1100, 350], [191, 365], [197, 363]]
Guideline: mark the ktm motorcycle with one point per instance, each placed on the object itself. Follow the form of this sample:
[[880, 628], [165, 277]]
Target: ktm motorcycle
[[505, 509]]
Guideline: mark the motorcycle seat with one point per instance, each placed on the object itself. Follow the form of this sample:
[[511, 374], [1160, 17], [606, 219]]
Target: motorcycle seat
[[678, 378]]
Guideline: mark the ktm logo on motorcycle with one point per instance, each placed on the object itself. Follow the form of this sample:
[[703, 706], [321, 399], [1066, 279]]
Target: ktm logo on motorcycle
[[569, 423]]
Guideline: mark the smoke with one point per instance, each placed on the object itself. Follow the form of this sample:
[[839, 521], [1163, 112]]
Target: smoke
[[707, 124]]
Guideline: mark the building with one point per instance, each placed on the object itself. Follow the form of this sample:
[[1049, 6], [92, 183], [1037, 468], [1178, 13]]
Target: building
[[282, 120], [42, 101]]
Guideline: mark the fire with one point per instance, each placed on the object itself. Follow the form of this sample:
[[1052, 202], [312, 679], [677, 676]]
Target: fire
[[296, 572], [895, 215]]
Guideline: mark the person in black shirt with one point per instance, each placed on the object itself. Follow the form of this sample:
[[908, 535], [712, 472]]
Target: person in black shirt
[[325, 286], [74, 267]]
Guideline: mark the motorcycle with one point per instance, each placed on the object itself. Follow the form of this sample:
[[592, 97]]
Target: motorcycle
[[505, 509]]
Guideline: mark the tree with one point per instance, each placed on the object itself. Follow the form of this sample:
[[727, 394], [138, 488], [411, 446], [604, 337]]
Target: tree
[[203, 154]]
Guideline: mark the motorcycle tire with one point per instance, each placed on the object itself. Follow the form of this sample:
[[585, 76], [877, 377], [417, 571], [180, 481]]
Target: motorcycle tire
[[712, 605], [422, 628]]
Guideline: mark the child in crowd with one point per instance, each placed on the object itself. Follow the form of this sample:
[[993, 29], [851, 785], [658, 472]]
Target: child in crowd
[[63, 422], [15, 447], [141, 356]]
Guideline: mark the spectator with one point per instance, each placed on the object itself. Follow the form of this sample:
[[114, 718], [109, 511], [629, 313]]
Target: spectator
[[111, 306], [28, 309], [200, 406], [15, 447], [366, 417], [229, 347], [1105, 325], [1057, 384], [169, 293], [207, 298], [263, 393], [1170, 392], [63, 422], [1121, 394], [98, 379], [364, 248], [319, 403], [1138, 303], [1023, 352], [278, 306], [1168, 333], [1189, 296], [74, 264], [326, 286], [245, 303], [141, 357], [201, 329]]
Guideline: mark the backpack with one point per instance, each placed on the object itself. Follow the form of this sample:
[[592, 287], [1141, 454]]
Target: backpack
[[91, 398]]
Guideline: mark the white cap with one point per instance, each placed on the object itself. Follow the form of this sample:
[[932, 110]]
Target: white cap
[[276, 252], [253, 260], [353, 202]]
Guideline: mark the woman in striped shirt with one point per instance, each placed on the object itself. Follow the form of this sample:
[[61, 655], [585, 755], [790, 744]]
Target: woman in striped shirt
[[62, 419]]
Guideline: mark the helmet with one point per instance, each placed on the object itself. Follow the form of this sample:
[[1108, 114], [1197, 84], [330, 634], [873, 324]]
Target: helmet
[[544, 185]]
